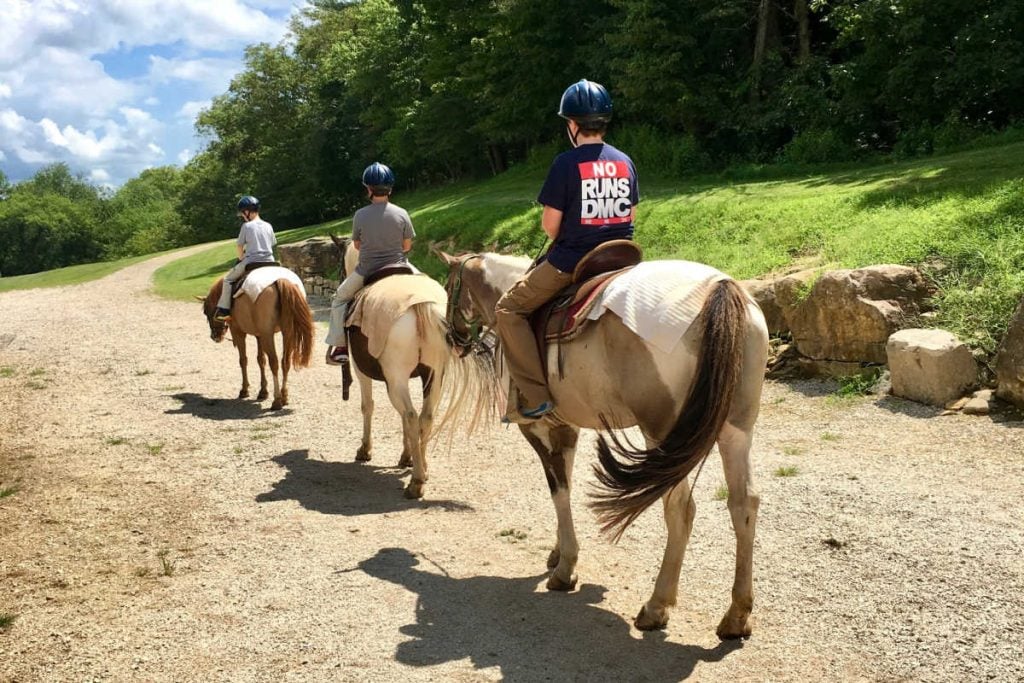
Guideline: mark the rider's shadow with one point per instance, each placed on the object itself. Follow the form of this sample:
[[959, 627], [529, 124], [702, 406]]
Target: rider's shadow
[[497, 621], [200, 406], [344, 488]]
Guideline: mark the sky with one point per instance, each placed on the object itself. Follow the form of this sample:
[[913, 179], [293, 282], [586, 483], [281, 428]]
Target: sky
[[113, 87]]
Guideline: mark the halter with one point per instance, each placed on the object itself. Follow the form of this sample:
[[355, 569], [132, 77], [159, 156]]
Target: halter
[[472, 338]]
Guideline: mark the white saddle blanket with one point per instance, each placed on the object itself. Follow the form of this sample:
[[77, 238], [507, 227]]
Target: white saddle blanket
[[261, 278], [659, 300]]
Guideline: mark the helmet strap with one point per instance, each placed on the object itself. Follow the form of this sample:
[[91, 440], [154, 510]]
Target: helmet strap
[[572, 134]]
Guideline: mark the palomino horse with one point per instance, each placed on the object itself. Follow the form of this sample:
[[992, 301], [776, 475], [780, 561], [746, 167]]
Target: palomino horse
[[400, 336], [706, 390], [280, 307]]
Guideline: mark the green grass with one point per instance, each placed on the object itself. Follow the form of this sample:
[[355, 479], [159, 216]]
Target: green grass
[[786, 471], [72, 275], [6, 619], [7, 371], [722, 492], [9, 491]]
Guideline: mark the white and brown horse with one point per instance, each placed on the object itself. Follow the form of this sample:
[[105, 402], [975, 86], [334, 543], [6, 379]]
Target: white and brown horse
[[280, 307], [396, 341], [705, 391]]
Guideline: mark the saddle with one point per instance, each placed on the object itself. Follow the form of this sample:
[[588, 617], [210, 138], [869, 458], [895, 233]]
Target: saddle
[[564, 317], [373, 278], [249, 267]]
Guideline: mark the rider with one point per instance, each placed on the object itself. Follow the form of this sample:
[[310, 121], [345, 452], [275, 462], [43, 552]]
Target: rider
[[589, 197], [255, 244], [382, 233]]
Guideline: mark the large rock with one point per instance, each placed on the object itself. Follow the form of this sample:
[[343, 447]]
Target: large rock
[[763, 292], [310, 258], [848, 315], [930, 366], [1009, 363]]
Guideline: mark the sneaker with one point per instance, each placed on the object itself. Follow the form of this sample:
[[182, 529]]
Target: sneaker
[[337, 355], [222, 315]]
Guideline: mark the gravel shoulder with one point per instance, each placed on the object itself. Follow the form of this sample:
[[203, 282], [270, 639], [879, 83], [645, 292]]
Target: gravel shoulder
[[155, 528]]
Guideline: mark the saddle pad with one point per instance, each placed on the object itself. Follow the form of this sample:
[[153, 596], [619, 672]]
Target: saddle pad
[[377, 307], [659, 300], [260, 278]]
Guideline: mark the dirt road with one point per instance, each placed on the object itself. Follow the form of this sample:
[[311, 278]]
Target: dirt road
[[153, 528]]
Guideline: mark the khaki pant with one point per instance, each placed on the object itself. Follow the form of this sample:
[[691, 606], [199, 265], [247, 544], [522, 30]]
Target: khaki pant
[[339, 308], [527, 295]]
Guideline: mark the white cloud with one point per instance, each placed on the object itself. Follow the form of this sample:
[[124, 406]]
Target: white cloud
[[190, 110], [98, 175], [3, 156], [5, 90], [184, 156], [151, 101]]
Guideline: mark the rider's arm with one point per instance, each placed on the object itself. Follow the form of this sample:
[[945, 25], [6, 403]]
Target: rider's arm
[[355, 243], [406, 244], [240, 250], [551, 221]]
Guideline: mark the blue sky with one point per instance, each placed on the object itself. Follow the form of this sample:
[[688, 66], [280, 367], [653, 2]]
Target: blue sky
[[112, 87]]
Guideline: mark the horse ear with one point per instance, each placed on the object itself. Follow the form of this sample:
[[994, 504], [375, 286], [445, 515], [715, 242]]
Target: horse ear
[[439, 253]]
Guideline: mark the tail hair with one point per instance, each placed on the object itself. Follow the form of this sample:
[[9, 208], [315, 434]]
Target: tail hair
[[296, 322]]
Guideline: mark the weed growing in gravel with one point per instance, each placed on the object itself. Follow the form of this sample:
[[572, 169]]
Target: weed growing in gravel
[[116, 441], [792, 450], [6, 619], [513, 535], [857, 385], [722, 492], [167, 565], [238, 450], [262, 436], [829, 436], [37, 372], [9, 491], [35, 385], [173, 387], [142, 572], [6, 371], [154, 448], [142, 373], [786, 471]]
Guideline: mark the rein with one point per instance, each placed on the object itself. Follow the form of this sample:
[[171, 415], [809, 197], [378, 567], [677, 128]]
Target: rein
[[471, 338]]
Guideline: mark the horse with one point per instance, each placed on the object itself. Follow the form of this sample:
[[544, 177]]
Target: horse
[[280, 307], [396, 341], [705, 390]]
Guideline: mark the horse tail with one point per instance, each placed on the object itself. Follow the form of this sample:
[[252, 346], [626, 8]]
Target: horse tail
[[296, 322], [643, 475]]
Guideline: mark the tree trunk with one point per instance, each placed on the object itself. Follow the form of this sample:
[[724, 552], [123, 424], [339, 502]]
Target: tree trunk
[[804, 30], [764, 20]]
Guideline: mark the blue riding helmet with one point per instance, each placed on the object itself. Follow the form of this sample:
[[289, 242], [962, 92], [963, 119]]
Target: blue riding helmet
[[586, 101], [248, 203], [378, 175]]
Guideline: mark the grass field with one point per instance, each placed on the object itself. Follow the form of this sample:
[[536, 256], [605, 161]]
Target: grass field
[[959, 216]]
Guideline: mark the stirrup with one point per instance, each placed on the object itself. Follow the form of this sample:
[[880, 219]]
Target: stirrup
[[528, 416], [337, 355]]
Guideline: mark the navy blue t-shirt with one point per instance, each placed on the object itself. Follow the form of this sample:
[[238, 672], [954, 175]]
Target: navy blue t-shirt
[[595, 188]]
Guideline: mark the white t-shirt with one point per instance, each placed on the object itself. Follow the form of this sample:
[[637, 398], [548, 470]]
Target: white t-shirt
[[257, 236]]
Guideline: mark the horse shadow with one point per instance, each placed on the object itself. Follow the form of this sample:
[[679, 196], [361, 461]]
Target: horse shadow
[[198, 405], [501, 622], [345, 488]]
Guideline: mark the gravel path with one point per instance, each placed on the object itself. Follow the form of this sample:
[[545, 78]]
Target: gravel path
[[153, 528]]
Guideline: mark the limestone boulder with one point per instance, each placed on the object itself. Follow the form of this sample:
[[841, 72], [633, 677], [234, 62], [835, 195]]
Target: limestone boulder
[[930, 366], [763, 292], [1009, 362], [848, 315], [317, 256]]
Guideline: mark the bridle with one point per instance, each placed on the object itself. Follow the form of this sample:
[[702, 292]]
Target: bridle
[[472, 337]]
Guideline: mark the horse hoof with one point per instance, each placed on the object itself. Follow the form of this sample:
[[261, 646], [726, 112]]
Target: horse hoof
[[260, 396], [244, 393], [277, 405], [405, 461], [414, 490], [553, 557], [557, 584], [732, 629], [363, 455], [645, 622]]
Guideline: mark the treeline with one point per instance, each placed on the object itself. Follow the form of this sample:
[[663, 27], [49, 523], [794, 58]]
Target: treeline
[[446, 90]]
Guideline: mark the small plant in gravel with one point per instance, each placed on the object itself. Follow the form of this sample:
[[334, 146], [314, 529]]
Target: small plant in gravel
[[142, 572], [6, 371], [857, 385], [154, 448], [792, 450], [37, 372], [167, 565], [6, 619], [786, 471], [35, 385], [722, 492], [116, 441], [143, 373], [512, 535], [9, 491], [829, 436]]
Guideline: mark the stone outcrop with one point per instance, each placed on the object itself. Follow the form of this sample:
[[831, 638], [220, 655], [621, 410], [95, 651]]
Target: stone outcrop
[[848, 315], [1009, 363], [763, 292], [315, 261], [930, 366]]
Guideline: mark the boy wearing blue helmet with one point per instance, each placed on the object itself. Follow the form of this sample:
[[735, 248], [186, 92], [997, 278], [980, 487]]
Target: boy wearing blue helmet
[[255, 244], [382, 233], [589, 197]]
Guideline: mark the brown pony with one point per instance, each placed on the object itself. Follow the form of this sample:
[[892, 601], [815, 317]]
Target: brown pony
[[705, 390], [280, 308]]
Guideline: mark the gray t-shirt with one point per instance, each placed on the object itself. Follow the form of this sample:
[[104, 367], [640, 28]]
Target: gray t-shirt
[[257, 236], [380, 229]]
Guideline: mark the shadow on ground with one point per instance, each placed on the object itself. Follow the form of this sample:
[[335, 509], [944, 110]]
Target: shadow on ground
[[345, 488], [500, 622], [224, 408]]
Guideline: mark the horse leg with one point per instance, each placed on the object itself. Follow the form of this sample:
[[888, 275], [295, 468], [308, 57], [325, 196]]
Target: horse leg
[[365, 451], [271, 349], [556, 446], [398, 392], [734, 444], [680, 511], [431, 397], [286, 365], [261, 360], [243, 363]]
